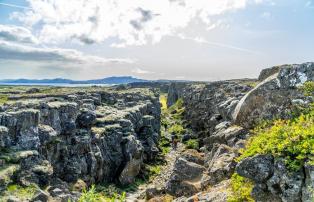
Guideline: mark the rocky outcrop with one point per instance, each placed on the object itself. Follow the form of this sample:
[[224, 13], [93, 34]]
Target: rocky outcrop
[[274, 180], [96, 137], [187, 175], [275, 96], [222, 114]]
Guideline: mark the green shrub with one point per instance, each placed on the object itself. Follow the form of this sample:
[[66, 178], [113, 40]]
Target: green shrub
[[90, 196], [241, 189], [292, 140], [308, 88], [177, 129], [192, 144]]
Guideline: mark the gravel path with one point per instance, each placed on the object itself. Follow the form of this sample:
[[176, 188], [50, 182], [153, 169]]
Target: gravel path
[[161, 179]]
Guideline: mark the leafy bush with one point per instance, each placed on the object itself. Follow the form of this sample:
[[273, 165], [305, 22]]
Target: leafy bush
[[90, 196], [308, 88], [192, 144], [96, 195], [292, 140], [177, 129], [241, 189]]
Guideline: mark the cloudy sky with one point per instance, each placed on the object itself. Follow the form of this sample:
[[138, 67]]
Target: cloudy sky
[[164, 39]]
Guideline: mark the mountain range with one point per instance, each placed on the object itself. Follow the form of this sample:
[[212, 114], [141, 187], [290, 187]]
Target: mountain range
[[107, 80]]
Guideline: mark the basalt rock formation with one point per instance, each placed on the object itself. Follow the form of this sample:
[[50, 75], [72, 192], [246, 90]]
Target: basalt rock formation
[[94, 137], [221, 115]]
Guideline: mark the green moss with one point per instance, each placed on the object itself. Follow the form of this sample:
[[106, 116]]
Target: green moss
[[292, 140], [192, 144], [163, 101], [241, 189], [177, 129], [22, 193], [3, 99], [308, 88]]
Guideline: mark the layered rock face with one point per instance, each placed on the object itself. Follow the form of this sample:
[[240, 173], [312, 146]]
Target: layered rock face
[[96, 137], [222, 114], [275, 96]]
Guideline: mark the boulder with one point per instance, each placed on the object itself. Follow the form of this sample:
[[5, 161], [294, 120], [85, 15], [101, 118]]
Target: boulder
[[221, 164], [286, 184], [308, 187], [185, 179], [40, 196], [273, 97], [258, 168], [86, 118]]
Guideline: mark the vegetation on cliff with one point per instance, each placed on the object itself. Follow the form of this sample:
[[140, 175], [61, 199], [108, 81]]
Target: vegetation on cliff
[[292, 140]]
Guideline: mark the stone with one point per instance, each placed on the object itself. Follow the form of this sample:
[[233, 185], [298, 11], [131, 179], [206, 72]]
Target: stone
[[308, 187], [86, 118], [284, 183], [185, 179], [41, 196], [258, 168], [273, 97], [221, 165]]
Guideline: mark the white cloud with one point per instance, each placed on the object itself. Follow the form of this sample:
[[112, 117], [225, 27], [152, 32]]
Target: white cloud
[[13, 51], [17, 34], [141, 71], [132, 22]]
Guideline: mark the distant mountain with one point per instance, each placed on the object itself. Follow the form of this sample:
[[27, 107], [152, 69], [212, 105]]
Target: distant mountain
[[108, 80]]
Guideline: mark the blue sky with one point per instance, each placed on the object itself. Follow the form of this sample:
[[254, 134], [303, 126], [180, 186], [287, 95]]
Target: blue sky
[[178, 39]]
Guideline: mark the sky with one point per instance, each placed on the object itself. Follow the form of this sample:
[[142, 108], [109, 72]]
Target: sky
[[165, 39]]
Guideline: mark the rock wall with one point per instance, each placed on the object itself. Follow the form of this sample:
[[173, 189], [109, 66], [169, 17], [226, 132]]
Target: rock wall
[[96, 137], [222, 114]]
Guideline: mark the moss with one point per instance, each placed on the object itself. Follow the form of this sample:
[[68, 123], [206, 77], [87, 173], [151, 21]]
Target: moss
[[22, 193], [3, 99], [163, 101], [241, 189], [6, 172], [192, 144], [292, 140]]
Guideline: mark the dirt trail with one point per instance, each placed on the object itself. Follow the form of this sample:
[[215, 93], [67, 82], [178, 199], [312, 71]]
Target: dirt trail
[[160, 179]]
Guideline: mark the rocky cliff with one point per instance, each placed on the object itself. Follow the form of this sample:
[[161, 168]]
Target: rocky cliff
[[78, 136], [221, 115]]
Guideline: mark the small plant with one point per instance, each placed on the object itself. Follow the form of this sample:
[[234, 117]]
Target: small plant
[[90, 196], [308, 88], [192, 144], [177, 129], [241, 189], [22, 193]]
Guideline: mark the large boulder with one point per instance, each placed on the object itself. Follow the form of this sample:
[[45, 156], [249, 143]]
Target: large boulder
[[286, 184], [185, 179], [258, 168], [274, 96], [307, 191]]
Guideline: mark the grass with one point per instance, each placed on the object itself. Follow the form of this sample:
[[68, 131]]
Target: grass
[[92, 195], [241, 189], [192, 144], [3, 99], [22, 193]]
